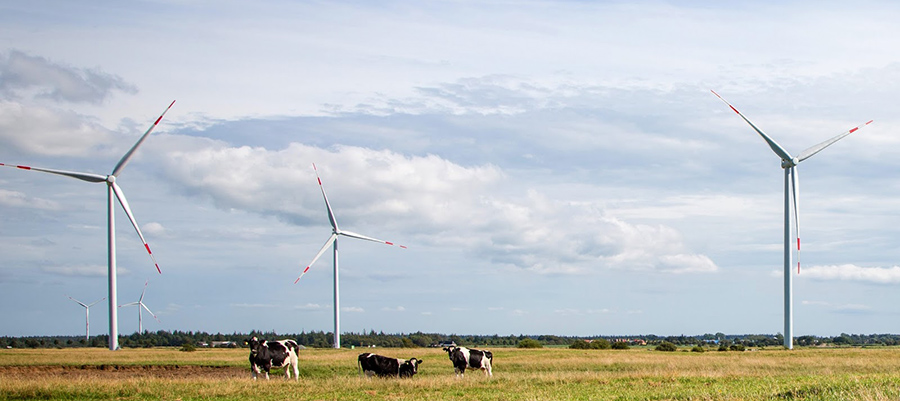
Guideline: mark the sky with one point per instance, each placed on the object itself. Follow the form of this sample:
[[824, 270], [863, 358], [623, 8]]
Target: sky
[[553, 167]]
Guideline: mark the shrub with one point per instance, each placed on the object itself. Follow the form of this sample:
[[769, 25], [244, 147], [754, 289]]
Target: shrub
[[530, 343], [620, 345], [737, 347], [188, 347], [599, 343], [666, 346], [698, 348]]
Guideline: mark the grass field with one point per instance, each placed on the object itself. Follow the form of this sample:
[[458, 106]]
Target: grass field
[[539, 374]]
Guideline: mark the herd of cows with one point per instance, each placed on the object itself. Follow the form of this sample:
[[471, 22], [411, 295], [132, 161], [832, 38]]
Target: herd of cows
[[283, 354]]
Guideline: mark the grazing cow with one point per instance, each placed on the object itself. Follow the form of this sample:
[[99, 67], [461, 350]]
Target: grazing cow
[[280, 354], [382, 366], [463, 358]]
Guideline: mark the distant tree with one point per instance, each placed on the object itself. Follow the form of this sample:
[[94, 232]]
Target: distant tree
[[666, 347], [620, 345], [698, 348], [530, 343], [736, 347]]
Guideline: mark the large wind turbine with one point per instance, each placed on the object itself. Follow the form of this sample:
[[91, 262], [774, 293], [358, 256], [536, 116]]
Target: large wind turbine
[[141, 305], [87, 316], [113, 192], [332, 240], [791, 190]]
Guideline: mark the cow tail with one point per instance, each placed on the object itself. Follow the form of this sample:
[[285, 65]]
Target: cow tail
[[359, 366]]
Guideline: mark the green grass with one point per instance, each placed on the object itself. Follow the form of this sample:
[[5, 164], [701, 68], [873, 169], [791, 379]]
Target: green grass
[[532, 374]]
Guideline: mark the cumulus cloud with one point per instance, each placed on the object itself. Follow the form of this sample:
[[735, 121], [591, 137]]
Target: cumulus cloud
[[49, 131], [18, 199], [82, 270], [434, 200], [849, 272], [154, 228], [42, 78]]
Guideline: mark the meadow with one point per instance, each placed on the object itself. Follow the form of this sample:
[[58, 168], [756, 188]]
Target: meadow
[[519, 374]]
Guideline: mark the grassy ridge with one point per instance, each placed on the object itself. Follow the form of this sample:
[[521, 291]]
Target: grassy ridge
[[541, 374]]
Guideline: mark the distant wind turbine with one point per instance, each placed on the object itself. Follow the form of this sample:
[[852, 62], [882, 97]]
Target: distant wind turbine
[[113, 192], [791, 190], [141, 305], [87, 316], [332, 240]]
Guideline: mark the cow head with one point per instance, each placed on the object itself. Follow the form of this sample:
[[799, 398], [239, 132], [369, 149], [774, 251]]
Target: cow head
[[254, 344], [410, 367]]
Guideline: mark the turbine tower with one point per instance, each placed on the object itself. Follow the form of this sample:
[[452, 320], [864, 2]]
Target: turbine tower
[[141, 305], [113, 192], [87, 316], [791, 190], [332, 241]]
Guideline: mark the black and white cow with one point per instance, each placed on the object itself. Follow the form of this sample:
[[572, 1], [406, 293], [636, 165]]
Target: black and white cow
[[280, 354], [382, 366], [463, 358]]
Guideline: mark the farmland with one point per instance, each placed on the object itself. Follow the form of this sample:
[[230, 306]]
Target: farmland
[[534, 374]]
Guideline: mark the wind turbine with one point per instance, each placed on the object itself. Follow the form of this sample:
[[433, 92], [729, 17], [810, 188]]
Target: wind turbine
[[87, 316], [141, 305], [791, 190], [113, 192], [332, 240]]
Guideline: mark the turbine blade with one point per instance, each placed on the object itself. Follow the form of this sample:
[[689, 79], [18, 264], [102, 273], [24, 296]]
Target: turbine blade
[[331, 217], [795, 195], [360, 236], [95, 302], [124, 203], [780, 151], [141, 299], [79, 302], [128, 304], [328, 243], [89, 177], [149, 311], [131, 151], [806, 154]]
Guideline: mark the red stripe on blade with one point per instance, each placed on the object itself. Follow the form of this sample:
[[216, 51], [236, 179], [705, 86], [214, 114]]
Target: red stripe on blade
[[403, 246], [24, 167], [854, 130], [306, 270]]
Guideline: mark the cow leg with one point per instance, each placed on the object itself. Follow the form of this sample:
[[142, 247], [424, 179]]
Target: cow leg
[[296, 367], [254, 370]]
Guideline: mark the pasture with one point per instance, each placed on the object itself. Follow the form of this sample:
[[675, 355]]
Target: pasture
[[534, 374]]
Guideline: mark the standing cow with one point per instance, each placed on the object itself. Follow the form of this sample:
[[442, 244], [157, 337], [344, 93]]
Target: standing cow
[[280, 354], [382, 366], [463, 358]]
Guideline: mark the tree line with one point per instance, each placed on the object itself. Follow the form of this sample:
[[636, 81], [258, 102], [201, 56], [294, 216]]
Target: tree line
[[322, 339]]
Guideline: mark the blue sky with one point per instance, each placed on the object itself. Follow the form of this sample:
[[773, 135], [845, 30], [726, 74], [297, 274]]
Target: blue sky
[[553, 167]]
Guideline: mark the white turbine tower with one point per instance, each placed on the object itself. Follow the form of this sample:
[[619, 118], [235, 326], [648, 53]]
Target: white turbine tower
[[87, 316], [332, 240], [113, 192], [791, 190], [141, 305]]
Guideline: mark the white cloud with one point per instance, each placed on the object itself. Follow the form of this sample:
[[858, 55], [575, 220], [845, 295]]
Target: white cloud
[[83, 270], [849, 272], [354, 309], [397, 309], [19, 199], [153, 228]]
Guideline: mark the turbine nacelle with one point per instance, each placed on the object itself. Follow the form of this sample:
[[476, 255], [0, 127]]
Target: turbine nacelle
[[785, 163]]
